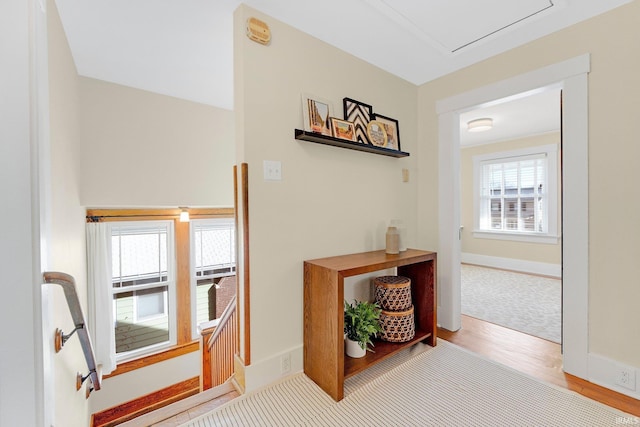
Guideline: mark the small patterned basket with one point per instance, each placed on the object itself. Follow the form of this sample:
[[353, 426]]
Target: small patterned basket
[[393, 293], [397, 326]]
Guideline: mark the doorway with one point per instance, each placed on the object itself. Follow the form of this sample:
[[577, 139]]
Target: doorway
[[571, 76], [510, 213]]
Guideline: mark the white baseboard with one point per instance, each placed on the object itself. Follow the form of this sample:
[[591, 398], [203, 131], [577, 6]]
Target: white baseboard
[[604, 371], [267, 371], [524, 266]]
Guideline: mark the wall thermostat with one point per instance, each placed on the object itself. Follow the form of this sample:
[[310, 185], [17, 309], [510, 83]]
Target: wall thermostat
[[258, 31]]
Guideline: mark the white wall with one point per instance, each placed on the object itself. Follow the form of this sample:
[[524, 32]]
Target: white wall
[[21, 373], [67, 245], [331, 200]]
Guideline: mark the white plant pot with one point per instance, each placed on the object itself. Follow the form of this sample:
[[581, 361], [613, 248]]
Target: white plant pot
[[354, 349]]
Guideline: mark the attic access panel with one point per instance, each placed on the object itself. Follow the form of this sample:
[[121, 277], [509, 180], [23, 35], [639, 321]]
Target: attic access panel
[[456, 24]]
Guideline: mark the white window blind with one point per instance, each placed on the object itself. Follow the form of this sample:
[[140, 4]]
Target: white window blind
[[515, 193]]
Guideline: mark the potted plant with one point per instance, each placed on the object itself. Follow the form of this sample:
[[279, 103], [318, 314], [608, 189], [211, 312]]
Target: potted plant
[[361, 323]]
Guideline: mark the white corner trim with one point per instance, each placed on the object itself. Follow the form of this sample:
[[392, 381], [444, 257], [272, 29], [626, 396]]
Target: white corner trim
[[520, 265], [603, 371], [267, 371]]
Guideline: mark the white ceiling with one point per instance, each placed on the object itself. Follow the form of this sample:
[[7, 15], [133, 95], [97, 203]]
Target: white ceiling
[[520, 116], [183, 48]]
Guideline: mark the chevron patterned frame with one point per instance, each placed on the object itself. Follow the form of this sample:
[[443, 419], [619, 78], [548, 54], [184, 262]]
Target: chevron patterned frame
[[360, 114]]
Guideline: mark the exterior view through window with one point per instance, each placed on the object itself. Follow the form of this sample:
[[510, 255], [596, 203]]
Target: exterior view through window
[[143, 285], [213, 268], [513, 195], [516, 193]]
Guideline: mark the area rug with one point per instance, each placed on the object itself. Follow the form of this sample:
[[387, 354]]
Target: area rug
[[441, 386], [524, 302]]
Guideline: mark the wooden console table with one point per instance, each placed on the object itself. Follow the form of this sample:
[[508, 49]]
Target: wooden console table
[[324, 359]]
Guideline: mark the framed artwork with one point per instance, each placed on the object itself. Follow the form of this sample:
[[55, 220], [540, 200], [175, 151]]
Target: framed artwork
[[377, 134], [316, 113], [360, 114], [343, 129], [392, 130]]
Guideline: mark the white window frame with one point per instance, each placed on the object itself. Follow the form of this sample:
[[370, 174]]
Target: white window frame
[[170, 283], [223, 223], [549, 237]]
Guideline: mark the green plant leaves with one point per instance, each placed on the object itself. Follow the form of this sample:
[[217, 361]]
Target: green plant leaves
[[361, 322]]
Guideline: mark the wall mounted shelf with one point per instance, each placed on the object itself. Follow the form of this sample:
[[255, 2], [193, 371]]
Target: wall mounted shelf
[[352, 145]]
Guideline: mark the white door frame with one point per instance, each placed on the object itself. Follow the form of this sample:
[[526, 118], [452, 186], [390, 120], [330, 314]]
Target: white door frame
[[571, 76]]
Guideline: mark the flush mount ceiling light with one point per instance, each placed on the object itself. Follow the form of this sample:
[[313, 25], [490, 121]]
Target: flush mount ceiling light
[[479, 125]]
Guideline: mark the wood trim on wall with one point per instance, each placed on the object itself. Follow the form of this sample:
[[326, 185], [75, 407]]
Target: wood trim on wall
[[162, 213], [142, 405], [246, 275], [145, 404], [235, 217], [183, 282], [176, 351]]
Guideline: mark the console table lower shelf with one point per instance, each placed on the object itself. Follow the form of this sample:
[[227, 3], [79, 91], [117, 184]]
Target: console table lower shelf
[[382, 350]]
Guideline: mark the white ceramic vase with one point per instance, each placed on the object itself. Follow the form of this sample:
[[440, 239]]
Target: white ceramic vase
[[353, 348]]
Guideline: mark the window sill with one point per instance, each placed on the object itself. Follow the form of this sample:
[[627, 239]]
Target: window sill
[[175, 351], [517, 237]]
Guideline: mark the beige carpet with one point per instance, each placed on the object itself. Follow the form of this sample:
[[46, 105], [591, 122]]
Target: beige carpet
[[441, 386], [524, 302]]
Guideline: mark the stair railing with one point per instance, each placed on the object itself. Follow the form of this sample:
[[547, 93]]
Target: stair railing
[[69, 287], [221, 348]]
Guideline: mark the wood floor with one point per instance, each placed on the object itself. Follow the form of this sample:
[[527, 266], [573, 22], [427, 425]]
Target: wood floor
[[534, 356]]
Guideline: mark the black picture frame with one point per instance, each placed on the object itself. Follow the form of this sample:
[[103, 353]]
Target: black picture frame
[[360, 114], [392, 127]]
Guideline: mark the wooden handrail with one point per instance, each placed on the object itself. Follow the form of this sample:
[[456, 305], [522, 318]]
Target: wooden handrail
[[69, 287], [228, 312], [220, 349]]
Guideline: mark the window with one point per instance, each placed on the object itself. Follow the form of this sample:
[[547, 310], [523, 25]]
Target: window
[[515, 194], [143, 282], [213, 265], [143, 262]]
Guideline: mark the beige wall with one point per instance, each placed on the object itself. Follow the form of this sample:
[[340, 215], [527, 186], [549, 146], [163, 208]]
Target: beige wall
[[331, 200], [334, 201], [67, 221], [537, 252], [141, 149], [117, 146], [613, 173]]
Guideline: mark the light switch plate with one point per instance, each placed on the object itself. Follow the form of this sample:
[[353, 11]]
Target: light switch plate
[[272, 170]]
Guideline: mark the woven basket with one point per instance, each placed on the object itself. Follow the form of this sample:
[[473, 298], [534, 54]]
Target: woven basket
[[397, 326], [393, 293]]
